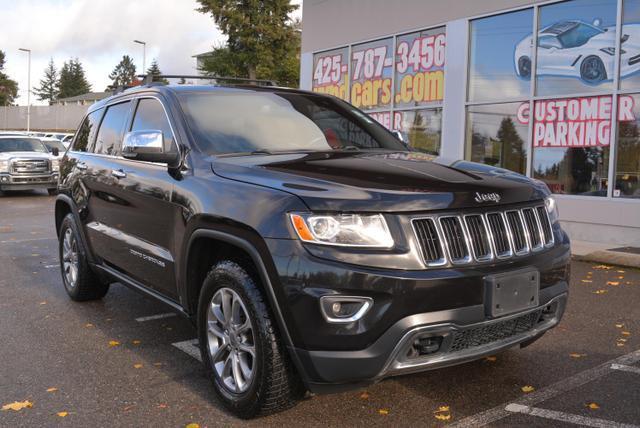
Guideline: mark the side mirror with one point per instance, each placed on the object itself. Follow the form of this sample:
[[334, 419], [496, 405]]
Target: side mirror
[[55, 151], [146, 146]]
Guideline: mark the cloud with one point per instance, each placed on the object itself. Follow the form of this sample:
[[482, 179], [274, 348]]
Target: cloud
[[100, 32]]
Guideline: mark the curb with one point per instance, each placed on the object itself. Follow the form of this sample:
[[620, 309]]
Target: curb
[[611, 257]]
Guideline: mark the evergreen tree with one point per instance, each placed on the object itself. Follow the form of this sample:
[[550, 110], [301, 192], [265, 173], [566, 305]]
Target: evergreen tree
[[124, 73], [511, 146], [154, 70], [262, 40], [8, 87], [72, 80], [48, 90]]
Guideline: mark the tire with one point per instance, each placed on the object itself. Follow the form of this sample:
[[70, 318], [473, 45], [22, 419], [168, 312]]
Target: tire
[[592, 70], [52, 192], [524, 67], [79, 280], [272, 384]]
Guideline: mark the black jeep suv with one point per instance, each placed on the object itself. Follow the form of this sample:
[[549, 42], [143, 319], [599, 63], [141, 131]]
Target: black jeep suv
[[311, 248]]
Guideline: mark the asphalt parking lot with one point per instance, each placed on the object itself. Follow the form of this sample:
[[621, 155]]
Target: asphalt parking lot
[[124, 361]]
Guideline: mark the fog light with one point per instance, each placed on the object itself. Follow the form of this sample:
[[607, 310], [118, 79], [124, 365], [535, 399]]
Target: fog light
[[428, 345], [5, 179], [344, 309]]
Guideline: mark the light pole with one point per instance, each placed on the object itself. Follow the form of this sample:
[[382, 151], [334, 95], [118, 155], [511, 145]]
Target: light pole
[[28, 51], [144, 55]]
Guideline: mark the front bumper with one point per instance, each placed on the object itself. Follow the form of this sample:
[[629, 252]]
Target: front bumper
[[464, 340], [28, 182]]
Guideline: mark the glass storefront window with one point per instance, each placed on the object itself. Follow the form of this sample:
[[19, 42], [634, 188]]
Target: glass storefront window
[[420, 59], [422, 129], [627, 178], [496, 135], [576, 47], [371, 70], [330, 73], [500, 57], [571, 138], [630, 45]]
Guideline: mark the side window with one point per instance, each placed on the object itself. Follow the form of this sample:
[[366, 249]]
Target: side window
[[150, 116], [109, 141], [87, 131]]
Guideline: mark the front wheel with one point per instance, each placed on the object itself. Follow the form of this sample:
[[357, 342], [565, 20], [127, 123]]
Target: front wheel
[[79, 280], [592, 70], [241, 351]]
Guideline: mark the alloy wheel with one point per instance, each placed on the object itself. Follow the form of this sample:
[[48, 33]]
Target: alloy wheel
[[231, 340], [70, 258]]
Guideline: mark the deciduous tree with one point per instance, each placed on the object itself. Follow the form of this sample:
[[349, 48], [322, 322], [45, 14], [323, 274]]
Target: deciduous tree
[[8, 87]]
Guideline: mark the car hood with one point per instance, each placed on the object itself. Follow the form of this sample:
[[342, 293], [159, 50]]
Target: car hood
[[30, 155], [381, 182]]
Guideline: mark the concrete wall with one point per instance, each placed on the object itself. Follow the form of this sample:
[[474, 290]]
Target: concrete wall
[[329, 23], [49, 118]]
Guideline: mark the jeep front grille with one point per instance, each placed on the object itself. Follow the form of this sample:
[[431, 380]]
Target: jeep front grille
[[481, 237]]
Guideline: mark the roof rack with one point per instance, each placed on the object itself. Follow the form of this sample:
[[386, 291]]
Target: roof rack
[[151, 78]]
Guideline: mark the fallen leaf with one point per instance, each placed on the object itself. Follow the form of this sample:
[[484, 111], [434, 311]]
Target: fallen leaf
[[620, 344], [62, 414], [18, 405], [593, 406], [602, 267], [44, 302], [192, 425], [169, 328], [443, 416], [621, 277], [52, 389], [586, 280], [620, 325], [620, 271], [364, 395], [135, 342], [88, 325], [157, 364], [113, 343], [600, 291], [137, 366], [162, 406], [443, 409], [613, 283], [574, 355], [528, 388], [383, 411], [625, 333], [491, 359]]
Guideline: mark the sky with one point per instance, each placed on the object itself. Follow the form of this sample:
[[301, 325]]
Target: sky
[[99, 33]]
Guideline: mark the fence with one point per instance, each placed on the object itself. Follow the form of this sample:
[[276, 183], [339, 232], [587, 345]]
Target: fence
[[45, 118]]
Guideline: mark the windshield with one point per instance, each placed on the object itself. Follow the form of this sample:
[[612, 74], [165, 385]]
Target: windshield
[[54, 145], [578, 35], [21, 145], [255, 121]]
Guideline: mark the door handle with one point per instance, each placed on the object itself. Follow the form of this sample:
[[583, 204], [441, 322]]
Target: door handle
[[118, 173], [81, 166]]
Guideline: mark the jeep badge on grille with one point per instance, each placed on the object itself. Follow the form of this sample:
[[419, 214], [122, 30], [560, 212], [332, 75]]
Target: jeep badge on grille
[[487, 197]]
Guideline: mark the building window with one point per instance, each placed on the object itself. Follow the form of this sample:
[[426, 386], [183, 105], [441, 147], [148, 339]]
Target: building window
[[371, 70], [422, 129], [630, 53], [500, 57], [627, 172], [330, 73], [576, 47], [497, 136]]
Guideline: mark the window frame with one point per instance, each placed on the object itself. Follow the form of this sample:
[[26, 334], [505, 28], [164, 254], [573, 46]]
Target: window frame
[[126, 124], [134, 110]]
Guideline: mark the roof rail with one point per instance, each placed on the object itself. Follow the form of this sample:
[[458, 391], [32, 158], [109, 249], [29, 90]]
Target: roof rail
[[150, 78]]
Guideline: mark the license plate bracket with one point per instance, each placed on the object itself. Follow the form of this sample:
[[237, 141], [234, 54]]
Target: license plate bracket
[[512, 292]]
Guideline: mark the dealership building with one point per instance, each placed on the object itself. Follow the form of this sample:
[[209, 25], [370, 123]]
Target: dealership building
[[549, 89]]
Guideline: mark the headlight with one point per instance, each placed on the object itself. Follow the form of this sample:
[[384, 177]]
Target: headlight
[[349, 230], [4, 166], [552, 208], [55, 165]]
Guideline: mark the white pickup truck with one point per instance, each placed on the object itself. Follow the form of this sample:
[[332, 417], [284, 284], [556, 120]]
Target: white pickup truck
[[26, 164]]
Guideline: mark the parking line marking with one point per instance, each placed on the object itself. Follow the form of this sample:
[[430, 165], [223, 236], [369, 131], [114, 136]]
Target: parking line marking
[[566, 417], [18, 241], [189, 347], [156, 317], [548, 392], [625, 368]]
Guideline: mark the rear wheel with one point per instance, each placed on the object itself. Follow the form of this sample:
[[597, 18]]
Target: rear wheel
[[241, 351], [79, 280], [524, 66]]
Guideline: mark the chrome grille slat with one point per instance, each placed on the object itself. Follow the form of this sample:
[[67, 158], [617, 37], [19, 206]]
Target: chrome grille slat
[[483, 236], [29, 166]]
